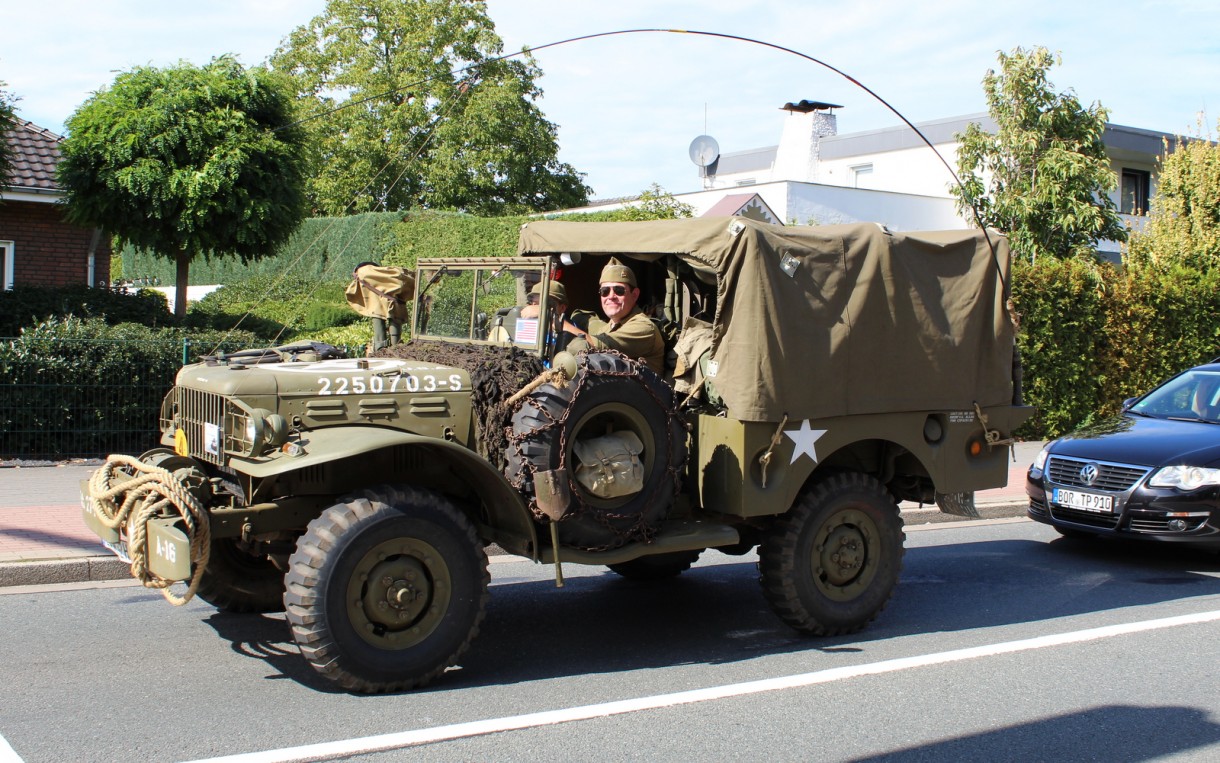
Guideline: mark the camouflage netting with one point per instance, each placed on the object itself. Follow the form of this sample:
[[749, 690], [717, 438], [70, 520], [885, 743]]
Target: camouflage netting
[[496, 373]]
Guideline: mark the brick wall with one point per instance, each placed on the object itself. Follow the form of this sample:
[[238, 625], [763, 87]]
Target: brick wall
[[49, 251]]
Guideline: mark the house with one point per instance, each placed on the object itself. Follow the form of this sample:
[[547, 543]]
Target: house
[[816, 175], [38, 247]]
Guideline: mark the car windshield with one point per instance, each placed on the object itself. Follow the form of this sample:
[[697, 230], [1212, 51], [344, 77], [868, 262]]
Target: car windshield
[[1194, 395]]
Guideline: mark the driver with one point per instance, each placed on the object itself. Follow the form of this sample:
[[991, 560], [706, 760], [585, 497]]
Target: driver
[[1206, 398], [626, 328]]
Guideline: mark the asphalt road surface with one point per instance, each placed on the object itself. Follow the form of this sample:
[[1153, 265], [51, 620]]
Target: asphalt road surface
[[1003, 642]]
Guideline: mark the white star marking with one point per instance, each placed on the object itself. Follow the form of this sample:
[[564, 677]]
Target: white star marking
[[803, 440]]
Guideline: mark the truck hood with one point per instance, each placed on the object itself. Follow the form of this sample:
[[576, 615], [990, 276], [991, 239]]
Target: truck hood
[[346, 376]]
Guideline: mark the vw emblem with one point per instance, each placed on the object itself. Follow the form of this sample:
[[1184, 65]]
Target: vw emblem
[[1088, 474]]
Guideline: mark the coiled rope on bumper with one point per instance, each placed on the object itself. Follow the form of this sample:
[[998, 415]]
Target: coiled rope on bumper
[[133, 502]]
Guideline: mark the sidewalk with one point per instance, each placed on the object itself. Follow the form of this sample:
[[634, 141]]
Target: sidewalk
[[44, 540]]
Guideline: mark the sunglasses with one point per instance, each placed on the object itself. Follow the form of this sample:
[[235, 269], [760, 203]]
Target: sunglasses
[[618, 291]]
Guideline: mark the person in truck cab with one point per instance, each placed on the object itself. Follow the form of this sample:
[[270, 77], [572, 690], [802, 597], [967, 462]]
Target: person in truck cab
[[626, 328]]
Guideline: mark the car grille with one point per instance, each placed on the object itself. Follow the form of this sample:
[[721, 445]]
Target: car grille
[[1111, 477], [1107, 521], [192, 410]]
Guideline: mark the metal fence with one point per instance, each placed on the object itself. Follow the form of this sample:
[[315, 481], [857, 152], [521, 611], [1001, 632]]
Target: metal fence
[[73, 398]]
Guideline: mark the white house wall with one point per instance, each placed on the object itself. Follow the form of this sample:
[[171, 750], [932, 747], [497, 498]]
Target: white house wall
[[819, 204]]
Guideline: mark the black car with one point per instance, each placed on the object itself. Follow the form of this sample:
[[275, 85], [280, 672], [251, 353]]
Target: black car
[[1151, 473]]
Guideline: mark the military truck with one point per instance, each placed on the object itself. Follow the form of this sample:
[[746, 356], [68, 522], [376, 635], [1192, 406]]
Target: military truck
[[816, 376]]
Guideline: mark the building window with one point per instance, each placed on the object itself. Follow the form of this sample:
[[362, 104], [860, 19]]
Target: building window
[[862, 176], [1136, 185], [6, 264]]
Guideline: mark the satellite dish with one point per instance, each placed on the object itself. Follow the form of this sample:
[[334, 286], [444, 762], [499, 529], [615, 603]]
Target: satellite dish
[[704, 150]]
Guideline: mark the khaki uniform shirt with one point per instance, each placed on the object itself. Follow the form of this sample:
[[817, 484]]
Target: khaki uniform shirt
[[635, 337]]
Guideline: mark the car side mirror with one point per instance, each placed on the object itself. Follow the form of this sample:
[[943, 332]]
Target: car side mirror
[[1128, 402]]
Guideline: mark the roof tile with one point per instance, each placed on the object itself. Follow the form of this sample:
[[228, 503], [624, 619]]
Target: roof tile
[[35, 156]]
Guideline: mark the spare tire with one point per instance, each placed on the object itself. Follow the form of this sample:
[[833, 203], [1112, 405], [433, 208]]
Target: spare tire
[[610, 393]]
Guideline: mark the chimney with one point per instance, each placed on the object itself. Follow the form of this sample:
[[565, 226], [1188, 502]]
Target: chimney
[[807, 123]]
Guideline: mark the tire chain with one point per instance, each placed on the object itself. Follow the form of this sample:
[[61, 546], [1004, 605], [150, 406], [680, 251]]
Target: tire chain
[[639, 530]]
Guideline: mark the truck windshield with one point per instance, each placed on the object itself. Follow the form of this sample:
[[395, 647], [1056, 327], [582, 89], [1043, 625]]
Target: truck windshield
[[476, 303]]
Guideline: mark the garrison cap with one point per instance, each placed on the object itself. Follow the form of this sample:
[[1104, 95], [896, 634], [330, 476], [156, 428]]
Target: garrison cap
[[557, 292], [617, 272]]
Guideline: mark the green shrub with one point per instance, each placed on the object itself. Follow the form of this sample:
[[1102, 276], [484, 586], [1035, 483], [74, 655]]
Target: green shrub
[[1062, 309], [26, 306], [83, 387]]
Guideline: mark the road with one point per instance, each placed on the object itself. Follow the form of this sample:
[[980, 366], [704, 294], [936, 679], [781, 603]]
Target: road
[[1003, 642]]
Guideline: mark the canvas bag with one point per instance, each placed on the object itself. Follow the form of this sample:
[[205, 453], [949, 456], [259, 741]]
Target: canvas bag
[[610, 465]]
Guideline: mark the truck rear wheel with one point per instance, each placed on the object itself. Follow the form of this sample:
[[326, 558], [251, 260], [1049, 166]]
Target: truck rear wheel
[[238, 581], [657, 566], [830, 565], [386, 589]]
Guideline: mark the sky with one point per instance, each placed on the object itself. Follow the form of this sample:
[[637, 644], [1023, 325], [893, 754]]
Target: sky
[[628, 106]]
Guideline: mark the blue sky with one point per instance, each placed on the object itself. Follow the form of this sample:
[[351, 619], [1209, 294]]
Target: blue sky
[[628, 106]]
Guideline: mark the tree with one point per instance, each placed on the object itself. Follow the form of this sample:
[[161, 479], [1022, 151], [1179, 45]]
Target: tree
[[188, 160], [413, 111], [1044, 177], [653, 203], [1183, 225], [8, 118]]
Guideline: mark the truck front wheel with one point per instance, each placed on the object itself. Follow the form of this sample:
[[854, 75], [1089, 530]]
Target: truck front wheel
[[830, 565], [386, 589]]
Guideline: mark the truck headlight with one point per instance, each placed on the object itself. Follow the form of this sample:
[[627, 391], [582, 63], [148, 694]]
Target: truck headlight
[[254, 431], [1184, 477]]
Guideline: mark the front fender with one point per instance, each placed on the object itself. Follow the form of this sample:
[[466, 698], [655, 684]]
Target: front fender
[[505, 513]]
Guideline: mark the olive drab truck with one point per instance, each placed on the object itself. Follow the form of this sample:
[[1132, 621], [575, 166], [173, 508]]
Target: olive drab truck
[[815, 377]]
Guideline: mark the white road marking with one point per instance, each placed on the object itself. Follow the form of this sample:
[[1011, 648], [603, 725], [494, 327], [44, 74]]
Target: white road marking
[[7, 753], [398, 740]]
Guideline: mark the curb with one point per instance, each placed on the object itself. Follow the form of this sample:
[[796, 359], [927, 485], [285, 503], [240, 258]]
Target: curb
[[79, 569], [85, 569]]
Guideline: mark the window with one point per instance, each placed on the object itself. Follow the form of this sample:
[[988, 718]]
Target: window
[[862, 176], [6, 264], [1135, 192]]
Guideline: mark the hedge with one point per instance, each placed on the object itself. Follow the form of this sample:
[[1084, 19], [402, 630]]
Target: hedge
[[83, 387]]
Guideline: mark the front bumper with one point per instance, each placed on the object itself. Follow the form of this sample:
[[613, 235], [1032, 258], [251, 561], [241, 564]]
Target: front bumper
[[1140, 513]]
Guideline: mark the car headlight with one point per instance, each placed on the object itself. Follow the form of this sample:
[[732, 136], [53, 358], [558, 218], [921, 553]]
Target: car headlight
[[1185, 477], [1040, 459]]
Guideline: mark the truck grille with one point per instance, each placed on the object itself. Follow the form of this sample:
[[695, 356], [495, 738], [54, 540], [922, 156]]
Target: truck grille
[[1112, 477], [192, 411]]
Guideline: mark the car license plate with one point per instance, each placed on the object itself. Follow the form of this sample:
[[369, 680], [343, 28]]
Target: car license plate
[[1074, 499]]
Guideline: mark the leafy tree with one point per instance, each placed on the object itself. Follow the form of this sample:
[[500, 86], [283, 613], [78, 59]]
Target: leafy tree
[[1183, 225], [653, 203], [188, 160], [1044, 177], [430, 118], [7, 118]]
